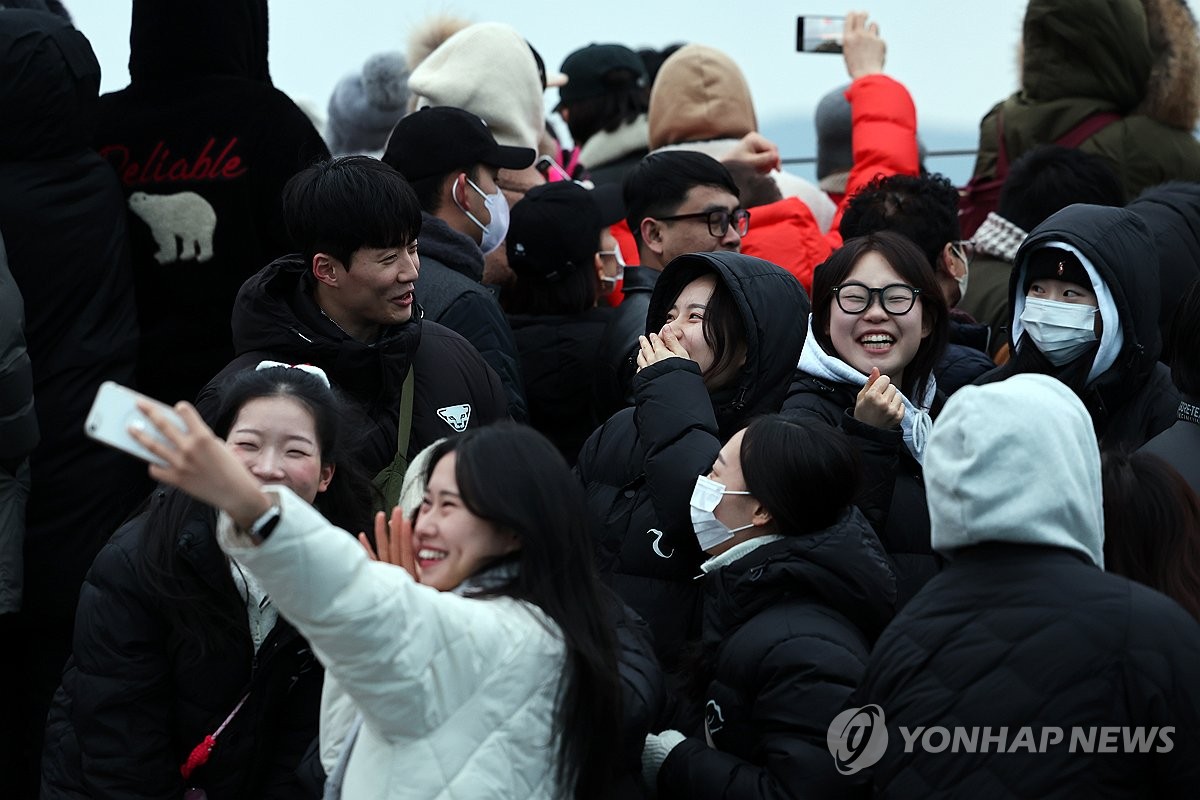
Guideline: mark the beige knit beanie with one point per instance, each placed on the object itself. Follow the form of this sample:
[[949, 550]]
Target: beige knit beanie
[[489, 70]]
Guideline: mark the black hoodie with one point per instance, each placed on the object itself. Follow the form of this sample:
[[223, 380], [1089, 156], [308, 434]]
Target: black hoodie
[[641, 465], [787, 631], [63, 222], [1133, 400], [277, 319], [203, 144], [1172, 213]]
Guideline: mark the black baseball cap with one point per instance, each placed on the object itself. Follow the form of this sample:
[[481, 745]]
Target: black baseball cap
[[437, 140], [553, 231], [587, 68]]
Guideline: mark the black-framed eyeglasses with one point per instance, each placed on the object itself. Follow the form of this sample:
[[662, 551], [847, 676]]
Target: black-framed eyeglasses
[[896, 298], [718, 220]]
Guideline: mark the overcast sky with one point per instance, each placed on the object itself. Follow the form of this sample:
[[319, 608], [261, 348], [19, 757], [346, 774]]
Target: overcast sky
[[957, 57]]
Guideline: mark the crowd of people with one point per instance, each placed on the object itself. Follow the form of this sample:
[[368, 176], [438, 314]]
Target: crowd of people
[[624, 466]]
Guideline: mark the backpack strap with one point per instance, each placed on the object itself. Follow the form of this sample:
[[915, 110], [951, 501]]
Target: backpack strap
[[404, 426], [1088, 128]]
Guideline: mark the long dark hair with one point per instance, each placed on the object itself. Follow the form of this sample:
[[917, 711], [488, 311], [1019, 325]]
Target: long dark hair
[[804, 472], [214, 619], [544, 505], [911, 265], [1152, 526]]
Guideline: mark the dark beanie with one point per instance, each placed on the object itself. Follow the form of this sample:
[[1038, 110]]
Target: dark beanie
[[1053, 263]]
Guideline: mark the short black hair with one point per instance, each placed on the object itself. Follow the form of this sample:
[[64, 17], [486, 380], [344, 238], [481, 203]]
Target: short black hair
[[925, 209], [658, 184], [1049, 178], [341, 205], [429, 190], [803, 470]]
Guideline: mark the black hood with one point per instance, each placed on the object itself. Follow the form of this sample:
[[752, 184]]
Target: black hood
[[1119, 246], [51, 81], [774, 310], [1172, 212], [176, 39], [843, 567], [275, 313]]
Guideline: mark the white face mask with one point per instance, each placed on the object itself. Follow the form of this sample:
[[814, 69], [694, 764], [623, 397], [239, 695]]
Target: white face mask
[[1060, 330], [497, 227], [963, 256], [710, 531]]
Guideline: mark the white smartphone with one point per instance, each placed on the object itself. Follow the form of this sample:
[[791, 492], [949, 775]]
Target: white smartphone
[[115, 411]]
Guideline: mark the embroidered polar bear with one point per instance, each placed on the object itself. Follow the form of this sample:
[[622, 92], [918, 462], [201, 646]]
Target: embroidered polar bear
[[182, 224]]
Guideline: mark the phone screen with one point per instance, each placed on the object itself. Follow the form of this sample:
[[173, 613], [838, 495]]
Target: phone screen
[[818, 34]]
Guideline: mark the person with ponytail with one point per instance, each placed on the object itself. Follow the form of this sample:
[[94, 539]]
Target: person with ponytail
[[184, 676], [482, 666], [797, 588]]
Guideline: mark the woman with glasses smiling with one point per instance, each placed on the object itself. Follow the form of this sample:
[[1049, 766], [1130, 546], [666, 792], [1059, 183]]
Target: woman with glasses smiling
[[879, 325]]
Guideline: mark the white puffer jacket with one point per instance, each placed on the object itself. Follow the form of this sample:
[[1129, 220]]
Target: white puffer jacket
[[457, 694]]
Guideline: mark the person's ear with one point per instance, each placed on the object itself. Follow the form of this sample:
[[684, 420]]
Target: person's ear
[[947, 260], [761, 516], [324, 269], [651, 230], [458, 190], [326, 476]]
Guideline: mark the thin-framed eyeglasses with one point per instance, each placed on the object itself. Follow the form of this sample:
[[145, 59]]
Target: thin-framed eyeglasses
[[897, 299], [718, 220]]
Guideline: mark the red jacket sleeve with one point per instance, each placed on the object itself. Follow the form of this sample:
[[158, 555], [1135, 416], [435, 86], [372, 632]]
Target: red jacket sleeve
[[883, 122]]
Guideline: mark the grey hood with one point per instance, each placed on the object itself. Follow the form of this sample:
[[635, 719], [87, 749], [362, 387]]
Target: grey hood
[[1015, 461]]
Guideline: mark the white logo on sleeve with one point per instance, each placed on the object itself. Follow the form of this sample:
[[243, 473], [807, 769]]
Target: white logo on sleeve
[[655, 545], [182, 224], [857, 738], [714, 721], [456, 417]]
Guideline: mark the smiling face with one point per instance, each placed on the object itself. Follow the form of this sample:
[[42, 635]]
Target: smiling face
[[375, 292], [686, 317], [452, 543], [876, 338], [276, 439]]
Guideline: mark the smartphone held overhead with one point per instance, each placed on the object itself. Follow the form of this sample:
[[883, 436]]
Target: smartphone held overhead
[[115, 411], [819, 34]]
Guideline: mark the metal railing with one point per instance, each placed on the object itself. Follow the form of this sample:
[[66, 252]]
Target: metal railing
[[929, 154]]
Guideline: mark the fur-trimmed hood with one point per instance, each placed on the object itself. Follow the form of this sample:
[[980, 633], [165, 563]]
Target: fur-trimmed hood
[[1141, 55]]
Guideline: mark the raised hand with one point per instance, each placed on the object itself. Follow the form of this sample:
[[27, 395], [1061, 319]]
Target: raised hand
[[394, 541], [879, 403], [756, 150], [862, 48], [659, 346]]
